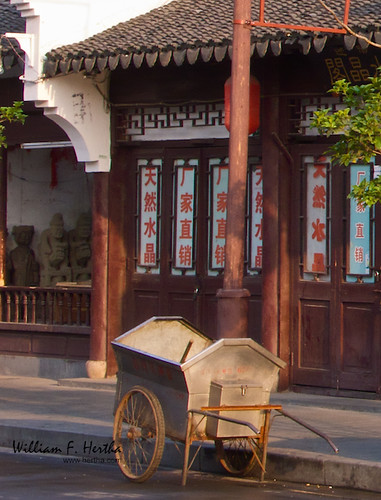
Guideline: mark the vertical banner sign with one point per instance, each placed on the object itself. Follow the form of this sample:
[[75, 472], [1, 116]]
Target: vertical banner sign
[[316, 237], [148, 212], [184, 213], [220, 176], [359, 227], [256, 218]]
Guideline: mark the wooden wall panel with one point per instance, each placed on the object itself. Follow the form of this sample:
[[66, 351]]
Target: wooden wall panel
[[147, 305], [77, 348], [182, 304], [16, 344], [38, 343], [48, 345], [209, 315], [358, 347], [314, 335]]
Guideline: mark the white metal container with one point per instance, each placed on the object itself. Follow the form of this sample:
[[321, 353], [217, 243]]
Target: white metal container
[[238, 393], [173, 359]]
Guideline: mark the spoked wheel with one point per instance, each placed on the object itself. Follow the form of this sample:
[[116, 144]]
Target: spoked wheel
[[139, 434], [239, 456]]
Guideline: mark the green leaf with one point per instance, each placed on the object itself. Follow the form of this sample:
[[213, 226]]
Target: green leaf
[[10, 114], [358, 127]]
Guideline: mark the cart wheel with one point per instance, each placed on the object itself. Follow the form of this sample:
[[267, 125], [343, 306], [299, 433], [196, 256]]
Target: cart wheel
[[139, 434], [239, 456]]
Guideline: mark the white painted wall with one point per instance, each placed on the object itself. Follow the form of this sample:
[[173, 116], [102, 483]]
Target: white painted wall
[[51, 23], [77, 105], [31, 200]]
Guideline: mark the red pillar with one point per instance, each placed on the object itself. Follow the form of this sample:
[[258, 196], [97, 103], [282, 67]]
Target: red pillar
[[277, 199], [3, 215], [276, 203], [97, 364], [232, 298], [271, 186]]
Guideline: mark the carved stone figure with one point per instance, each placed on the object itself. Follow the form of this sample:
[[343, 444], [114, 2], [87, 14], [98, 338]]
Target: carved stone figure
[[80, 249], [22, 266], [54, 253]]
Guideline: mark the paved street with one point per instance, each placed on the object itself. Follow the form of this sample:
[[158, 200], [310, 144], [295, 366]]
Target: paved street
[[37, 412], [35, 476]]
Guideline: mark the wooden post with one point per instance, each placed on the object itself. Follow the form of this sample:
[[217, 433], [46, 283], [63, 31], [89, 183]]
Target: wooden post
[[97, 364], [3, 215], [277, 171], [232, 298], [271, 257]]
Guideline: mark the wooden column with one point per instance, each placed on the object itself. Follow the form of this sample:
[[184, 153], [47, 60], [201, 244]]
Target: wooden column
[[277, 164], [122, 213], [285, 236], [3, 216], [97, 364], [271, 186], [232, 298]]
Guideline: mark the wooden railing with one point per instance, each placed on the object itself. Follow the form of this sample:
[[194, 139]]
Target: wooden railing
[[49, 306]]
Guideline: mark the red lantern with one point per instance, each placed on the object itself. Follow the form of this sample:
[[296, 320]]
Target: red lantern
[[254, 104]]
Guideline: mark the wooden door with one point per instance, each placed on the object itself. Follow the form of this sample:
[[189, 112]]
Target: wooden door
[[175, 235], [336, 248]]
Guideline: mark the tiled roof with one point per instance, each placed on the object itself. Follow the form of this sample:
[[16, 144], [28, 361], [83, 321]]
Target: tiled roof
[[10, 19], [10, 22], [185, 30]]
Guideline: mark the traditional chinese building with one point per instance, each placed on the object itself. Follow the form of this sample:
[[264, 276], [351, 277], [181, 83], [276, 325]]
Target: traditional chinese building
[[39, 176], [312, 256]]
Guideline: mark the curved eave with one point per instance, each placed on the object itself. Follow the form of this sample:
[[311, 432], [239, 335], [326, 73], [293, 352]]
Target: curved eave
[[95, 63], [10, 54]]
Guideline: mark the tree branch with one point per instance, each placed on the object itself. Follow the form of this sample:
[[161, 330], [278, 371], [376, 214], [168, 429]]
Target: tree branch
[[346, 27]]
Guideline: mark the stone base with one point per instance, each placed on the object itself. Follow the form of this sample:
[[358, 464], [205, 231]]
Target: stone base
[[96, 369]]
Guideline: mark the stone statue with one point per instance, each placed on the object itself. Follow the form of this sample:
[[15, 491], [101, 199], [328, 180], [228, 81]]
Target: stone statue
[[22, 266], [80, 249], [54, 253]]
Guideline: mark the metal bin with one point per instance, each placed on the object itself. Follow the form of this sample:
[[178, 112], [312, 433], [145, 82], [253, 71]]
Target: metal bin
[[169, 370], [178, 364]]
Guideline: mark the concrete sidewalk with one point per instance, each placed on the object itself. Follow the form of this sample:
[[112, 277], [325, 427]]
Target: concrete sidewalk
[[75, 417]]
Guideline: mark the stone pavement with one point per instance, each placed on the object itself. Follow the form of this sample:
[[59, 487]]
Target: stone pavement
[[75, 417]]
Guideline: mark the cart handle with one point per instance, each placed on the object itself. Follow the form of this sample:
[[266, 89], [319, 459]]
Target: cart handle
[[270, 407], [227, 419], [310, 428]]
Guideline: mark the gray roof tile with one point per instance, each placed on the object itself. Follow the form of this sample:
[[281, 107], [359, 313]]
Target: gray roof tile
[[10, 18], [10, 22], [188, 24]]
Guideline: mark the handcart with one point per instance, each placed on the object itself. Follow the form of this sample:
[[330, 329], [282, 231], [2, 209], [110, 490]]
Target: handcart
[[174, 382]]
